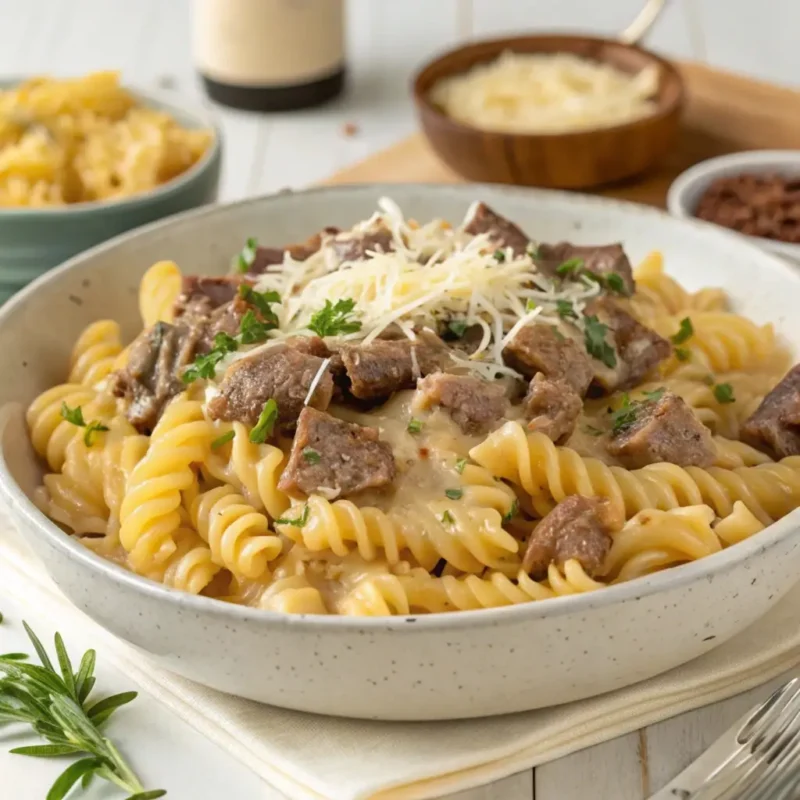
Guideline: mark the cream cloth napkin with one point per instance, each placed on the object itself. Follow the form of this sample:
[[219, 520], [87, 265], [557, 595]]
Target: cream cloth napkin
[[307, 756]]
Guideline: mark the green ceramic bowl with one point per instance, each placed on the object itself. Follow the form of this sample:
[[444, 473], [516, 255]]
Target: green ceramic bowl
[[33, 241]]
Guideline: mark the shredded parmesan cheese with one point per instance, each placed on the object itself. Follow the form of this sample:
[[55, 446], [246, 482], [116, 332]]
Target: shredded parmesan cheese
[[317, 378]]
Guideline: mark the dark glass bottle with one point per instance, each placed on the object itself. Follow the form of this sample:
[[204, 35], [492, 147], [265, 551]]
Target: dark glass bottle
[[270, 55]]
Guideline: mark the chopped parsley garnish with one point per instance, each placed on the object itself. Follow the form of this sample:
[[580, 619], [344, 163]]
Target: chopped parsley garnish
[[595, 339], [682, 354], [655, 395], [499, 256], [530, 305], [614, 282], [75, 416], [262, 301], [460, 464], [92, 428], [570, 265], [723, 392], [311, 456], [592, 431], [244, 260], [448, 518], [222, 440], [298, 522], [454, 494], [512, 512], [457, 327], [205, 366], [625, 415], [414, 425], [331, 320], [266, 422], [253, 331], [565, 309], [532, 250], [684, 333]]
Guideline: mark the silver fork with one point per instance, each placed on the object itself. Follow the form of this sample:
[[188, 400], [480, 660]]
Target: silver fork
[[757, 759]]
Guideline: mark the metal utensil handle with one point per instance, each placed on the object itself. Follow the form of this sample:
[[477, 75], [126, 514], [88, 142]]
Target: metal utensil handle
[[645, 20]]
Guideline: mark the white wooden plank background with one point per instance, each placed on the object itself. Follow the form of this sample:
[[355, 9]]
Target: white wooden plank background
[[150, 41]]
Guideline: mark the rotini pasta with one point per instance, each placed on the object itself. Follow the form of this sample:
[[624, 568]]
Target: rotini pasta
[[406, 419]]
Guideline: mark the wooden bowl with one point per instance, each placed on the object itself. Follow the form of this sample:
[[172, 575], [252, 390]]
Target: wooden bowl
[[576, 160]]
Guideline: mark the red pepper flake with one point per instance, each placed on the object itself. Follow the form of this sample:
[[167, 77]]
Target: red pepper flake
[[423, 452], [350, 129]]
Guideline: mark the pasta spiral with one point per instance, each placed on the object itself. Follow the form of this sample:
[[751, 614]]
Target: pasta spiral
[[252, 469], [549, 474], [158, 291], [95, 353], [150, 512], [190, 568], [292, 595], [237, 534], [50, 432], [468, 538]]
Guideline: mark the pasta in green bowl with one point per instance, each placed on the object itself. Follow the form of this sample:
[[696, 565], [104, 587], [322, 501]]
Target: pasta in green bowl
[[430, 405]]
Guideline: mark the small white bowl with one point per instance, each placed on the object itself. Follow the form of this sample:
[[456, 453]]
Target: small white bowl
[[686, 190]]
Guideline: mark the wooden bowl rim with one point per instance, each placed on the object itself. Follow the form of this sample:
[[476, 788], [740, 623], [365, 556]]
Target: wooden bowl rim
[[425, 106]]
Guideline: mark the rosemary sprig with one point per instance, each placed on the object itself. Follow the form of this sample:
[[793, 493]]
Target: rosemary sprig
[[55, 703]]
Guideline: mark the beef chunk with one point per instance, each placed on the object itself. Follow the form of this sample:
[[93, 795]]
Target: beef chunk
[[578, 527], [601, 260], [267, 257], [502, 232], [201, 295], [661, 430], [152, 377], [553, 408], [355, 246], [474, 404], [386, 366], [282, 372], [335, 458], [543, 348], [775, 425], [639, 349]]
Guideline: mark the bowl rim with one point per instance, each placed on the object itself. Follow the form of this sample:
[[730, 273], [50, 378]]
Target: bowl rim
[[426, 107], [704, 172], [204, 116], [674, 577]]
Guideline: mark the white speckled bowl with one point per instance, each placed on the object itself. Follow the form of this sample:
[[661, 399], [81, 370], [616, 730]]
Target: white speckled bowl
[[430, 667], [686, 190]]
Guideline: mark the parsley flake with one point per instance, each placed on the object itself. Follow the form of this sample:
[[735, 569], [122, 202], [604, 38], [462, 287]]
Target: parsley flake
[[311, 456], [297, 522], [331, 320], [92, 428], [222, 440], [655, 395], [266, 422], [252, 330], [244, 260], [685, 331], [454, 494], [723, 392], [595, 339], [625, 415], [414, 425], [530, 305], [565, 309], [615, 283], [682, 354], [499, 256], [512, 512], [570, 265], [532, 250], [460, 464], [448, 518], [262, 301], [75, 417], [457, 327]]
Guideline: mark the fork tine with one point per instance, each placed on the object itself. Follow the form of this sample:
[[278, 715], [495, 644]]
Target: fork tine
[[772, 736], [756, 718]]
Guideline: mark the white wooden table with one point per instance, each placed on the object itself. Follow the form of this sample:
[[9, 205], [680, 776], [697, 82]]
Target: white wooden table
[[149, 40]]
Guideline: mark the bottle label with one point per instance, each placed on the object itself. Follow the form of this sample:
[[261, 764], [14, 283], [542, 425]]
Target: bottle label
[[268, 43]]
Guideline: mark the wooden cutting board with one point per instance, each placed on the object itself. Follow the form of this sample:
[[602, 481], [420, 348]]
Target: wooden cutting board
[[725, 113]]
